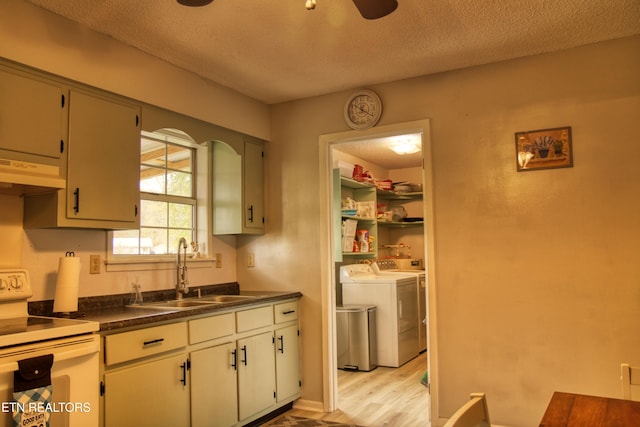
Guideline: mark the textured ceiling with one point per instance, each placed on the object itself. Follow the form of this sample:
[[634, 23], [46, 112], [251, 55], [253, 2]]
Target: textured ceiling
[[276, 50]]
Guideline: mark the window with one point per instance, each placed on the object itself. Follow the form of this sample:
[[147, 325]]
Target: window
[[168, 202]]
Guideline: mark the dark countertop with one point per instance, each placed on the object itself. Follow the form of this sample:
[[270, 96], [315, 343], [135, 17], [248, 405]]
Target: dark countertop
[[125, 317], [113, 311]]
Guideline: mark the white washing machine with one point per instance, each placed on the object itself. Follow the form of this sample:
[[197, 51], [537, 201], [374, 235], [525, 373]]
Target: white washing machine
[[416, 268], [394, 295]]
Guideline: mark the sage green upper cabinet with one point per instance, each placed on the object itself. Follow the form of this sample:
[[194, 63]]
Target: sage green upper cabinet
[[254, 187], [238, 187], [104, 153], [103, 170], [32, 112]]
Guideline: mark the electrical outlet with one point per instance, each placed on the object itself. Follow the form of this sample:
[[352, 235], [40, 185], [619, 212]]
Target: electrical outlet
[[251, 260], [94, 264], [218, 260]]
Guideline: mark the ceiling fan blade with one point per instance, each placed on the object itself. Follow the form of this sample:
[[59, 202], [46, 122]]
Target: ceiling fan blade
[[194, 3], [374, 9]]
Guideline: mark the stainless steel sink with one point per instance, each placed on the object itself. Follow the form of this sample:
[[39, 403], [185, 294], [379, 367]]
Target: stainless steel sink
[[191, 303], [175, 304], [226, 298]]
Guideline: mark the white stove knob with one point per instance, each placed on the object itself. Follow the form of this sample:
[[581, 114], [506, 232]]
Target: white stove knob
[[3, 284], [16, 282]]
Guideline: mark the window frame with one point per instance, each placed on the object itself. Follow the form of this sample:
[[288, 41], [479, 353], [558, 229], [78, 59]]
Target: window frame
[[200, 200]]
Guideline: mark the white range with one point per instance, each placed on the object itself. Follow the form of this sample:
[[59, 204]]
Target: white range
[[74, 345]]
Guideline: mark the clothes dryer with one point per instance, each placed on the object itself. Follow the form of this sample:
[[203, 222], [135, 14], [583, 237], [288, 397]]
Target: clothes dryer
[[414, 267]]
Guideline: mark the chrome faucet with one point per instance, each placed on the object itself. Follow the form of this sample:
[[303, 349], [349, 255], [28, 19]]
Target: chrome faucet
[[182, 280]]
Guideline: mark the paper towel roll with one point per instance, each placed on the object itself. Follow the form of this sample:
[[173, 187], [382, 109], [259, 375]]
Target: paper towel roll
[[66, 298]]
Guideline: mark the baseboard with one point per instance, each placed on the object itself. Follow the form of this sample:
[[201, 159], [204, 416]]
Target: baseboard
[[442, 422], [309, 405]]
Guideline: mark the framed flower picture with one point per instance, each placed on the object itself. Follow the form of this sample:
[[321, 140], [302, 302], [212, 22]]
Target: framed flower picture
[[544, 149]]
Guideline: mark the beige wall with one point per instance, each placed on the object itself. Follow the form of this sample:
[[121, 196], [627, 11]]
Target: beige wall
[[536, 272]]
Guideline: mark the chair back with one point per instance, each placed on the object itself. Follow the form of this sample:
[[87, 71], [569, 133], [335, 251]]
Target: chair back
[[630, 376], [474, 413]]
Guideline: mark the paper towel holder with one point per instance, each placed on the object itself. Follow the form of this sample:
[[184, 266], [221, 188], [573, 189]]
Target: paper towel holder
[[65, 299]]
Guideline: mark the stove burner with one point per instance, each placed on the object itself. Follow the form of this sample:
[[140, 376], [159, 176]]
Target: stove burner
[[28, 324], [21, 330]]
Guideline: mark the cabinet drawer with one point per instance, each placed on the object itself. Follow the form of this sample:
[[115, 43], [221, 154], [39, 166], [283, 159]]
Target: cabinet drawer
[[285, 311], [210, 328], [255, 318], [144, 342]]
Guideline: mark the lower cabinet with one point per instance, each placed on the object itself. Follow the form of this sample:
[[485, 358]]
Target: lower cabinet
[[256, 374], [243, 364], [149, 394], [214, 386], [287, 363], [234, 368], [146, 377]]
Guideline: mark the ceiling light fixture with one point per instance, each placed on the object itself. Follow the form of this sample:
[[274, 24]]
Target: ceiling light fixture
[[370, 9], [194, 3], [405, 146]]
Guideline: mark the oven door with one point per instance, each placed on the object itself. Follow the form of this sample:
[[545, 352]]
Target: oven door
[[74, 377]]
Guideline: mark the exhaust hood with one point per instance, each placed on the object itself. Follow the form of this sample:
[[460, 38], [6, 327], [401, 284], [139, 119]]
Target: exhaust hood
[[18, 178]]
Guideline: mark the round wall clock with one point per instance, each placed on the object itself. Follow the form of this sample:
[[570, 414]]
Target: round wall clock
[[363, 109]]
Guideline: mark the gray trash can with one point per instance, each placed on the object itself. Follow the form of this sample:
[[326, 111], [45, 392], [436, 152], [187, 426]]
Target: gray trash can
[[356, 330]]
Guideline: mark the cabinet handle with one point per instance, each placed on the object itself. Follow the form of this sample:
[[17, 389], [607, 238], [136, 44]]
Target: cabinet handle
[[156, 341], [281, 339], [76, 206], [288, 312], [234, 364], [251, 213], [244, 352], [183, 380]]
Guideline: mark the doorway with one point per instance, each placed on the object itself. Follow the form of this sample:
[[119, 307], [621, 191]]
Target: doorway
[[360, 144]]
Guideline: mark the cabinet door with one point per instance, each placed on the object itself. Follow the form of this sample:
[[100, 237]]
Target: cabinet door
[[31, 114], [104, 155], [287, 362], [237, 188], [214, 392], [150, 394], [256, 376], [253, 186]]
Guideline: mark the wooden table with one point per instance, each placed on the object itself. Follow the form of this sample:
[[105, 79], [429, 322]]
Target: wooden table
[[577, 410]]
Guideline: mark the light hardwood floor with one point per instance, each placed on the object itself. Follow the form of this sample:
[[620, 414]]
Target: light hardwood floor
[[383, 397]]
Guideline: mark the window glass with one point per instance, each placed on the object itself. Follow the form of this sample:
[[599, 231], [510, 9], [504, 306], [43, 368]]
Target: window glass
[[180, 215], [179, 184], [153, 213]]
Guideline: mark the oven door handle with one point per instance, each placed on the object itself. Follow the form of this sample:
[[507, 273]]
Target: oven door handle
[[79, 349]]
